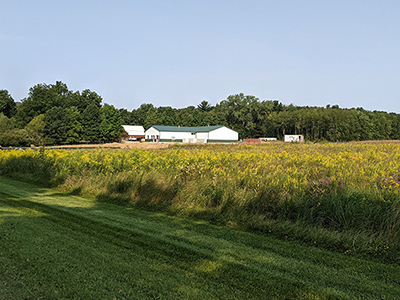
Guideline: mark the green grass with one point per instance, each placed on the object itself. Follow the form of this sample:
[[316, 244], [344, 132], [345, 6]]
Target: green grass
[[60, 246], [325, 195]]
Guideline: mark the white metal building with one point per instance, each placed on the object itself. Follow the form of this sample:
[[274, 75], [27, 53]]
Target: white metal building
[[191, 134], [134, 132], [294, 138]]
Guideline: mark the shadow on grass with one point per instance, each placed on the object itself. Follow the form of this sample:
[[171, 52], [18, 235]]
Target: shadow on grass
[[335, 223], [150, 193], [97, 253], [56, 244]]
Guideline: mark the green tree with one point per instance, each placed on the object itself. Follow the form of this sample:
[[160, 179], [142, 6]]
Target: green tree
[[238, 111], [196, 116], [36, 130], [74, 126], [139, 115], [204, 106], [395, 121], [168, 116], [41, 98], [153, 117], [185, 118], [263, 125], [111, 128], [126, 116], [284, 123], [381, 126], [11, 136], [82, 100], [90, 121], [6, 124], [15, 137], [7, 104], [56, 128]]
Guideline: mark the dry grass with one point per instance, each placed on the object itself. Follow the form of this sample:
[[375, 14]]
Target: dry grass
[[122, 145]]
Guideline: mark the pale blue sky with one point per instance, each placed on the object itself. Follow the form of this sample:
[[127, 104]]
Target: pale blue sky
[[178, 53]]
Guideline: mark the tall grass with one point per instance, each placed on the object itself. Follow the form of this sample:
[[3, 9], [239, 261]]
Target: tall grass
[[58, 246], [340, 196], [37, 167]]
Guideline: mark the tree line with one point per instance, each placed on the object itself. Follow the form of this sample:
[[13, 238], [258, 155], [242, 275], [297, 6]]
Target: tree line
[[253, 118], [53, 114]]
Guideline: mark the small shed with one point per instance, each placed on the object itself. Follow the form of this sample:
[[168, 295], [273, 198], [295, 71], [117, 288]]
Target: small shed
[[294, 138], [134, 132], [202, 134]]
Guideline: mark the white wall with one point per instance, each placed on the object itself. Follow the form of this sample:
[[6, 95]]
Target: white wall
[[168, 135], [293, 138], [194, 140], [151, 131], [223, 133], [202, 135]]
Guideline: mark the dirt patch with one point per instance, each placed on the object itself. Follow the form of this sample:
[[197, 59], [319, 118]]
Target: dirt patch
[[151, 145], [378, 142], [123, 145]]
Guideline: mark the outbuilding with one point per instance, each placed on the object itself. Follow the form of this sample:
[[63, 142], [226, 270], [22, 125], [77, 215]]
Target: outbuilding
[[134, 132], [203, 134], [294, 138]]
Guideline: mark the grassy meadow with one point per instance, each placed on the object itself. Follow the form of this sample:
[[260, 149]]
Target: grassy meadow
[[55, 245], [341, 197]]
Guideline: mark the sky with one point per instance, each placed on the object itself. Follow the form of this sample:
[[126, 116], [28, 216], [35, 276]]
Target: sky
[[180, 52]]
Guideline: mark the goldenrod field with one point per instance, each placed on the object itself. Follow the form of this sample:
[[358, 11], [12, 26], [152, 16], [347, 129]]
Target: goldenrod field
[[341, 196]]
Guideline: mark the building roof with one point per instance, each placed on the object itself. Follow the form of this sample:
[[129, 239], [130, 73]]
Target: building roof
[[132, 129], [186, 129]]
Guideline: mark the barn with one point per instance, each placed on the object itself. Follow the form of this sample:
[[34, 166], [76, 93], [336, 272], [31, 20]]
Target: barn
[[134, 132], [205, 134]]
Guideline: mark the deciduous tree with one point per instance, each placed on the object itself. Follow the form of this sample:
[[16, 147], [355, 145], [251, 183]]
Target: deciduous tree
[[7, 104], [36, 130]]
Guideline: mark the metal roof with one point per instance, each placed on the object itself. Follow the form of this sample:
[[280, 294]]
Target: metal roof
[[132, 129], [186, 129]]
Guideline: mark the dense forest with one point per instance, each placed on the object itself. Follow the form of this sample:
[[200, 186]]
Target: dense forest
[[53, 114]]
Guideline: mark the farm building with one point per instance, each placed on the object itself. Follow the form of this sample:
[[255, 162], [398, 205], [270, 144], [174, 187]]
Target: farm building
[[134, 132], [294, 138], [191, 134]]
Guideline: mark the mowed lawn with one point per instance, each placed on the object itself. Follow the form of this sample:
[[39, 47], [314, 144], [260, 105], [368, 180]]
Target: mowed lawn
[[60, 246]]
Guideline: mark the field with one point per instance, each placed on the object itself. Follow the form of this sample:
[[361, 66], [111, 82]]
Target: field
[[344, 198], [58, 246]]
